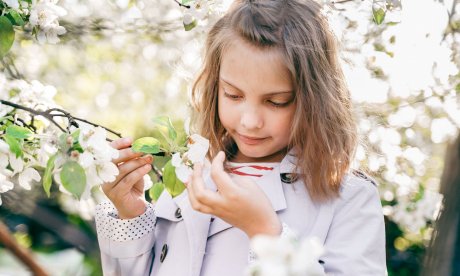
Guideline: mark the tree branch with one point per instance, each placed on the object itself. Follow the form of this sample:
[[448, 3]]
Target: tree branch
[[20, 252], [50, 116]]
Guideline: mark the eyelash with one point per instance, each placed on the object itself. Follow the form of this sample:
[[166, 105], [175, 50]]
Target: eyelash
[[236, 97]]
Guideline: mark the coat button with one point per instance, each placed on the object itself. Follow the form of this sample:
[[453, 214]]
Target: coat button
[[164, 252], [288, 178], [178, 213]]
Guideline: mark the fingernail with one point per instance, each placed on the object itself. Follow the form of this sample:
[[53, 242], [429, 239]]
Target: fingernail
[[148, 158], [127, 140]]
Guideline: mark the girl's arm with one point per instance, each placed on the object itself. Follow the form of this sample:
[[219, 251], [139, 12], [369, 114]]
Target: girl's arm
[[126, 245], [125, 225]]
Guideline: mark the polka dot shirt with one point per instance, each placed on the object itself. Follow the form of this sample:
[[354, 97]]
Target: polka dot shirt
[[108, 224]]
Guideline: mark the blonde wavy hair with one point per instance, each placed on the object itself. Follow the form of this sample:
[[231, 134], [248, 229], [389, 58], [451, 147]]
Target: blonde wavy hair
[[324, 129]]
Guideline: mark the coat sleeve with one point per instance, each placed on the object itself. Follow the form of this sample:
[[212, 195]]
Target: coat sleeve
[[126, 245], [355, 243]]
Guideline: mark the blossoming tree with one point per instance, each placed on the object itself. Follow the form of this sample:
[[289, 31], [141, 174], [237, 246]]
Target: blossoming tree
[[408, 110]]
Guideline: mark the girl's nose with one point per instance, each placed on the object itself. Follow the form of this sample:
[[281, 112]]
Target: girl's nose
[[251, 119]]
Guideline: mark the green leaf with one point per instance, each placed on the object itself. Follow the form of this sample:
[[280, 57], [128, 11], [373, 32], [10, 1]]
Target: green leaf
[[379, 15], [76, 143], [146, 145], [73, 178], [15, 146], [76, 135], [190, 26], [15, 18], [18, 132], [48, 175], [6, 35], [156, 191], [163, 123], [172, 184]]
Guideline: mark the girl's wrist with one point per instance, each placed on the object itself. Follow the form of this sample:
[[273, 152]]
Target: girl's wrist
[[132, 214], [273, 228]]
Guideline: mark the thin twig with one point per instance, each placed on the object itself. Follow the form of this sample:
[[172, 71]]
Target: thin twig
[[341, 2], [182, 5], [157, 173], [451, 15]]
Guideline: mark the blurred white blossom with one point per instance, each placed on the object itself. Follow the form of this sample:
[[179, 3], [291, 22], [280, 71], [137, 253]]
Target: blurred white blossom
[[286, 256], [44, 15], [12, 3], [415, 215]]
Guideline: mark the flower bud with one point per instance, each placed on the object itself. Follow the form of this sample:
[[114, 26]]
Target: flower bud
[[74, 154], [69, 140]]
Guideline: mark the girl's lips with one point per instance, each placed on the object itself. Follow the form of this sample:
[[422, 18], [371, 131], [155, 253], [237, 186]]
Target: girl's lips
[[250, 140]]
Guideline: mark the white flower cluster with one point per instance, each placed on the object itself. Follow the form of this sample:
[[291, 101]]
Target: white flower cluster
[[286, 256], [197, 148], [414, 215], [18, 168], [32, 95], [44, 16], [95, 158]]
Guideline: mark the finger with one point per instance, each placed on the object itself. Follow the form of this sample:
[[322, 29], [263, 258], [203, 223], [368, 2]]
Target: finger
[[200, 192], [127, 167], [197, 205], [221, 178], [121, 143], [126, 155], [125, 185]]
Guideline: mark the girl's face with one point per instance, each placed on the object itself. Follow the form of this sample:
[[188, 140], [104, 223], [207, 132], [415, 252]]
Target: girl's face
[[256, 102]]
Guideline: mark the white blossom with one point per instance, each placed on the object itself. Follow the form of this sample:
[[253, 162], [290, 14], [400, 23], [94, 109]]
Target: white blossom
[[44, 15], [285, 255], [12, 4], [197, 149], [17, 163], [27, 176], [147, 182], [50, 34], [93, 140], [5, 185], [107, 171]]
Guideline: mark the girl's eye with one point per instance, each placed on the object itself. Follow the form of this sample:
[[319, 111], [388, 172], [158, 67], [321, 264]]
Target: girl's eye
[[278, 104], [232, 96]]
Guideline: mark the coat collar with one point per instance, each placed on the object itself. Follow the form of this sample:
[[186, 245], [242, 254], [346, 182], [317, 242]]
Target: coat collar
[[288, 164]]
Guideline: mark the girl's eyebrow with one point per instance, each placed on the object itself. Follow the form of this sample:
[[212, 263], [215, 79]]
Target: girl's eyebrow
[[271, 93]]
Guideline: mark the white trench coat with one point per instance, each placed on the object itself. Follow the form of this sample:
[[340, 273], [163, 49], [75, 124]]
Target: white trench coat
[[184, 242]]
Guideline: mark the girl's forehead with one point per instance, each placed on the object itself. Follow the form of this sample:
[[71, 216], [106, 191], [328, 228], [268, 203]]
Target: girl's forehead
[[244, 64]]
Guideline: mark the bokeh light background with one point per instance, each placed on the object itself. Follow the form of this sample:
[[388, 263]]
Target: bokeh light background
[[123, 62]]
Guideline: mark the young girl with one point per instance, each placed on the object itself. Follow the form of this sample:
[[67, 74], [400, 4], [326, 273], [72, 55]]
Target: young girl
[[272, 100]]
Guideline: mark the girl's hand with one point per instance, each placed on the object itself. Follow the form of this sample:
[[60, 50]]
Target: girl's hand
[[242, 204], [127, 191]]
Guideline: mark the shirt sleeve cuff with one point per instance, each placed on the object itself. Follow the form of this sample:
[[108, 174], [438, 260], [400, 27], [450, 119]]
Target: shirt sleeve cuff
[[111, 227]]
